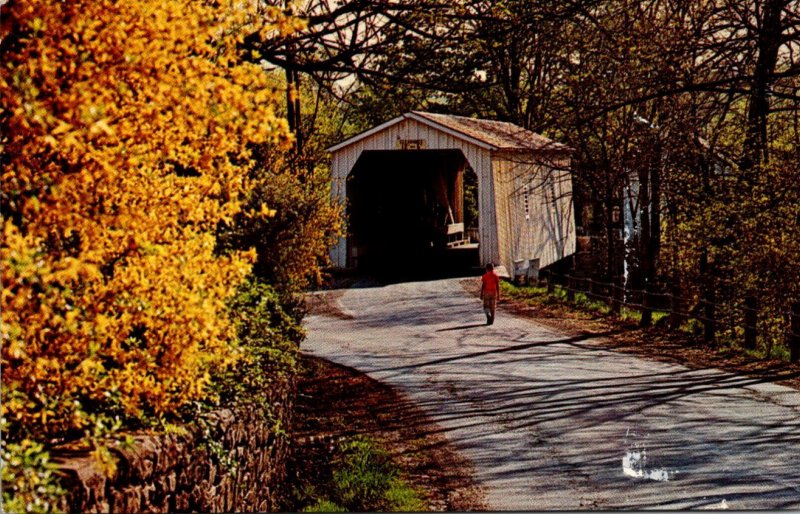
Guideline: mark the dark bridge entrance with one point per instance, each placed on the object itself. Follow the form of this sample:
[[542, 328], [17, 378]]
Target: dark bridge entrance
[[413, 214]]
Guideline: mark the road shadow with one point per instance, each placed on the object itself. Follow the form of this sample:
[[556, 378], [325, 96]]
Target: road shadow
[[707, 448], [494, 351], [462, 327], [534, 409]]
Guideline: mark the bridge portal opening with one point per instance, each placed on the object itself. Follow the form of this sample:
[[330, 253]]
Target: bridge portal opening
[[413, 214]]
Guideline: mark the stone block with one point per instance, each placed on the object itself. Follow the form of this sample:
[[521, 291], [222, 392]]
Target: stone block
[[182, 501], [172, 481], [84, 482], [127, 499], [202, 496], [136, 464], [176, 473], [148, 493], [168, 456], [162, 504]]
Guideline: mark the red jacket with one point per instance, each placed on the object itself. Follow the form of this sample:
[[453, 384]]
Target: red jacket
[[490, 283]]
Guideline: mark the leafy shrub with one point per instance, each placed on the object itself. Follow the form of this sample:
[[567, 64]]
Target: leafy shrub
[[366, 479], [400, 497], [268, 337], [29, 480], [293, 240], [127, 128], [324, 506], [364, 474]]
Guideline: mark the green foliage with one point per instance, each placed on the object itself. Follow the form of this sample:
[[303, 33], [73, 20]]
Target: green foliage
[[507, 288], [365, 478], [289, 219], [268, 335], [537, 295], [471, 211], [30, 482], [364, 474], [324, 506], [402, 498], [220, 454]]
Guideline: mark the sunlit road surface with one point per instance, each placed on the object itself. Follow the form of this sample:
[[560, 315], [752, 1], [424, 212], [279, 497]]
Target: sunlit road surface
[[557, 422]]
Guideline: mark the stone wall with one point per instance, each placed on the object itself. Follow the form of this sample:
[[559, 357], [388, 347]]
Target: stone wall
[[234, 462]]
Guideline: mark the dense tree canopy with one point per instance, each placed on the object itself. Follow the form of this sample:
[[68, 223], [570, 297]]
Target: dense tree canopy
[[684, 112]]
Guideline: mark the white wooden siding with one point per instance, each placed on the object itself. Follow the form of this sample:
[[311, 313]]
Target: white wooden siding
[[548, 233], [502, 198], [338, 252], [505, 234], [344, 160]]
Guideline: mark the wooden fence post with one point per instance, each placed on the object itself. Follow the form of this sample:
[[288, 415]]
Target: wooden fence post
[[709, 322], [750, 322], [570, 288], [590, 288], [794, 333], [676, 308], [617, 295], [551, 282], [647, 311]]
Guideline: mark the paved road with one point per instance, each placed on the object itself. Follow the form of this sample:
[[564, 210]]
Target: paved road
[[554, 422]]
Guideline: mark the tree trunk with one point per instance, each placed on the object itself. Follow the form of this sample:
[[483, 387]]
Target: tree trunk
[[609, 208], [768, 42], [644, 242], [293, 106], [652, 240]]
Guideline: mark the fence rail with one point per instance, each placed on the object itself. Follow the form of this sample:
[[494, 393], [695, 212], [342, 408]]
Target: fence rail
[[704, 309]]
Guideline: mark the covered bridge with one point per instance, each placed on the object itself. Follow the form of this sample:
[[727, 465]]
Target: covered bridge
[[428, 188]]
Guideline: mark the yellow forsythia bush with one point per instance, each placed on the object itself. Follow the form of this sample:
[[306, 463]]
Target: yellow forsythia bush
[[125, 134]]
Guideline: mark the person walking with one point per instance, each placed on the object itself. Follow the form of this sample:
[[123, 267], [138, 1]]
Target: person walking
[[490, 292]]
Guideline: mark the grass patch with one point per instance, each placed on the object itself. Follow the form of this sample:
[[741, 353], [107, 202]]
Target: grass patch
[[780, 352], [539, 297], [728, 341], [363, 478], [584, 305], [324, 506]]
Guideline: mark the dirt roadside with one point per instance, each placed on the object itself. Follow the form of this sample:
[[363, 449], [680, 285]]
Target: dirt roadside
[[335, 402], [650, 343]]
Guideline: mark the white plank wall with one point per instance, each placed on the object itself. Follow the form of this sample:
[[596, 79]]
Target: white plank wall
[[550, 232], [338, 252], [344, 159]]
